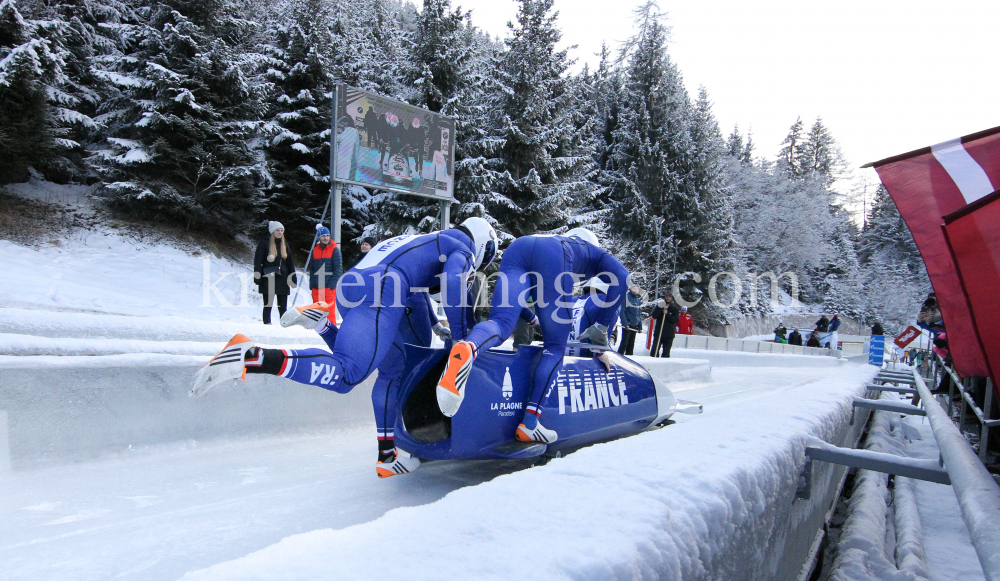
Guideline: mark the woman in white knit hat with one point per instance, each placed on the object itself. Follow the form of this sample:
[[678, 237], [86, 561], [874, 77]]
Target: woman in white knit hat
[[274, 270]]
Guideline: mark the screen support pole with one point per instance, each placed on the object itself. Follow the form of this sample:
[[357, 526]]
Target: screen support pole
[[445, 215], [338, 188]]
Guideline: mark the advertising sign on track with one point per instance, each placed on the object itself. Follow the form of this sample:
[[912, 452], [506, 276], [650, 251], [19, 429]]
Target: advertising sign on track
[[386, 144], [876, 351]]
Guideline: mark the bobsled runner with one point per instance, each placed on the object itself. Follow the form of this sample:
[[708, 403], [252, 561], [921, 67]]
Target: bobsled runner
[[587, 404]]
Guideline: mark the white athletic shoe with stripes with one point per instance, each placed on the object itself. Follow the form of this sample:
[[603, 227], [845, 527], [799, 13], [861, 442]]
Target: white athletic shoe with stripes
[[227, 366], [538, 434], [403, 463], [308, 316]]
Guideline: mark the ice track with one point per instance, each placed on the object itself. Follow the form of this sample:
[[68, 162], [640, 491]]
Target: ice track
[[158, 513]]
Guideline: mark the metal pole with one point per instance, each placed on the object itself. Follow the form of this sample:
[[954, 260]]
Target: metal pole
[[659, 248], [978, 494], [984, 439], [337, 190], [445, 214]]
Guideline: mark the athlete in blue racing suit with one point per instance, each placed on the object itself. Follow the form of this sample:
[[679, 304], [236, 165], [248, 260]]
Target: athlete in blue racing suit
[[544, 268], [384, 303]]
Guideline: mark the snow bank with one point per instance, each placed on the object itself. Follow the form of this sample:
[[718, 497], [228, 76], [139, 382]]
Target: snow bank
[[674, 369], [30, 345], [67, 409], [742, 359], [660, 504]]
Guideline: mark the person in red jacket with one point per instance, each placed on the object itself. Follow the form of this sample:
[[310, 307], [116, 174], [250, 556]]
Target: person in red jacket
[[325, 270], [685, 324]]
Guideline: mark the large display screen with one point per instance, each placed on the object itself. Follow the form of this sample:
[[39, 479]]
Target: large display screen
[[382, 143]]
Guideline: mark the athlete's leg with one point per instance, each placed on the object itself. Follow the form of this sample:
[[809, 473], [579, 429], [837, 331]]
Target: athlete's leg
[[556, 319], [359, 345], [385, 394]]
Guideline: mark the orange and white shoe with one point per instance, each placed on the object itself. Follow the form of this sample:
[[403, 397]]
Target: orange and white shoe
[[539, 434], [228, 365], [403, 463], [451, 386], [308, 316]]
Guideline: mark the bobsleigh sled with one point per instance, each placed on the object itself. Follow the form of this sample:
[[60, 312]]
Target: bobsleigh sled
[[586, 405]]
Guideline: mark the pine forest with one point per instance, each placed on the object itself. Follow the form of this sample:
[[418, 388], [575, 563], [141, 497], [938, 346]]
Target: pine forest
[[216, 115]]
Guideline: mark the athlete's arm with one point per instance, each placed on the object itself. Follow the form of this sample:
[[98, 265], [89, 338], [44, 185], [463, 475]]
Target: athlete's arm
[[454, 292]]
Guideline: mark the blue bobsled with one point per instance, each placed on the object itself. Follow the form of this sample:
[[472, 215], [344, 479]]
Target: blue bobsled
[[586, 405]]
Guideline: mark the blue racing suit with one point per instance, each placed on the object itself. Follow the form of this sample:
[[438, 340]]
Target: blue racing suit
[[545, 268], [384, 303]]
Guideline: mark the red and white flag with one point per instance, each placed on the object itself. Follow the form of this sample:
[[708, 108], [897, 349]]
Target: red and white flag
[[907, 337], [974, 237], [927, 185]]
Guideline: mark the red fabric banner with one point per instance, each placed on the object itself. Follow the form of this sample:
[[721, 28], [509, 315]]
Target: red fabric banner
[[974, 237], [927, 185]]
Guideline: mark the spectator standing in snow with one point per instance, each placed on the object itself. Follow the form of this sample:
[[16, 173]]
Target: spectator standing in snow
[[325, 270], [779, 333], [795, 338], [685, 324], [274, 270], [834, 335], [631, 319], [877, 329], [366, 245], [813, 340], [666, 315], [823, 324]]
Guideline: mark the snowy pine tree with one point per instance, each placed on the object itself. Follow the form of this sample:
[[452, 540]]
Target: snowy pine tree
[[531, 156], [180, 151], [296, 136], [25, 63]]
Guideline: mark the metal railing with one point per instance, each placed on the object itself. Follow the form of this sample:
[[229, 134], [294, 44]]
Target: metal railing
[[940, 369], [977, 492]]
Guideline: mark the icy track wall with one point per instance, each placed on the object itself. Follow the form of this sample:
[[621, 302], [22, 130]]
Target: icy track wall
[[710, 498], [67, 409]]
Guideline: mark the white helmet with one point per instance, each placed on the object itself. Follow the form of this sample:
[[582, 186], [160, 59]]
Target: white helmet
[[484, 240], [583, 234]]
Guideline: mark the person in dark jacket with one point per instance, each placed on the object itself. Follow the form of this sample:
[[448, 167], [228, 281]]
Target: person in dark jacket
[[835, 323], [393, 138], [779, 333], [665, 314], [813, 340], [274, 270], [823, 324], [416, 138], [325, 268], [631, 319], [795, 338], [371, 127], [877, 329]]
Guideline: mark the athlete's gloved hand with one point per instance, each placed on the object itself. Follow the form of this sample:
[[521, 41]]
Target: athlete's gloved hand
[[533, 322], [597, 334], [441, 331]]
